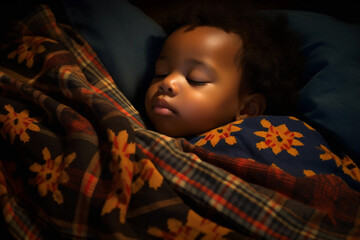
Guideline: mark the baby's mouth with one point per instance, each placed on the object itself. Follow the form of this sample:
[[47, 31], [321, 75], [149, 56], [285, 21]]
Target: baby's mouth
[[162, 107]]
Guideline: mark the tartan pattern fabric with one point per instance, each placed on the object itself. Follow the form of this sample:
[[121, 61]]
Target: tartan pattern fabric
[[77, 162]]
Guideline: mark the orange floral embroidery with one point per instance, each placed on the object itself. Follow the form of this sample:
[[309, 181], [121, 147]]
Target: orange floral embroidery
[[28, 49], [306, 125], [148, 173], [215, 135], [347, 164], [122, 169], [17, 124], [194, 227], [278, 138], [309, 173], [51, 174], [275, 166]]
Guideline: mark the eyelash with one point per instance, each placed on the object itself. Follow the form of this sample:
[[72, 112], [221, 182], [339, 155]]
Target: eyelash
[[195, 83]]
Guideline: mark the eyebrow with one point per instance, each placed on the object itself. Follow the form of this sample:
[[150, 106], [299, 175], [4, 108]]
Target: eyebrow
[[206, 65]]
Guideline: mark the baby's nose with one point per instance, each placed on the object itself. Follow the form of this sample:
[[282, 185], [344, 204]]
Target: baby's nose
[[169, 85]]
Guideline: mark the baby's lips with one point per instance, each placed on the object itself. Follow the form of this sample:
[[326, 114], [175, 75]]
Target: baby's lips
[[162, 107]]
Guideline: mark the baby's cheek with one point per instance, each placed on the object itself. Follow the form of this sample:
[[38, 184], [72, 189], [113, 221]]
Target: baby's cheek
[[195, 106], [200, 114]]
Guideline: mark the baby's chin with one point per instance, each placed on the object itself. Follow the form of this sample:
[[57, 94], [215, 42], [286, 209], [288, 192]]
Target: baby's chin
[[175, 126], [170, 131], [177, 131]]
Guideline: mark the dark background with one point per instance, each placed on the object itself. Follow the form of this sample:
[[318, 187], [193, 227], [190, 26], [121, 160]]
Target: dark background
[[345, 10]]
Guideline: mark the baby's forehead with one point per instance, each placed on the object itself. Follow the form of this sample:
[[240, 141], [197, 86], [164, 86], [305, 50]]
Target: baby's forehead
[[205, 31], [209, 45], [204, 37]]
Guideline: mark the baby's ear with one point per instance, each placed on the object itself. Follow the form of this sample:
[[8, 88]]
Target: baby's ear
[[252, 105]]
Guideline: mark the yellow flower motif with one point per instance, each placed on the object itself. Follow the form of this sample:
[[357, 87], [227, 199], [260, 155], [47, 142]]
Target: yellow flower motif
[[51, 174], [278, 138], [309, 173], [215, 135], [122, 169], [275, 166], [306, 125], [147, 172], [347, 164], [17, 124], [195, 227], [309, 127], [28, 49]]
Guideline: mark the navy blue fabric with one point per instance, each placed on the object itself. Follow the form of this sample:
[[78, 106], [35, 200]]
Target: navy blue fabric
[[283, 142]]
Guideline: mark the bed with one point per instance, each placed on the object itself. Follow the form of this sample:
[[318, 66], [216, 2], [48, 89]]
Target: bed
[[77, 161]]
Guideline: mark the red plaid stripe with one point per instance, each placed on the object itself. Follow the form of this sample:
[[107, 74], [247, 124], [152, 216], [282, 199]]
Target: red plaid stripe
[[324, 192]]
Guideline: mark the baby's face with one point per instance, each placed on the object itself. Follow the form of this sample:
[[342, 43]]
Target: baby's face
[[196, 86]]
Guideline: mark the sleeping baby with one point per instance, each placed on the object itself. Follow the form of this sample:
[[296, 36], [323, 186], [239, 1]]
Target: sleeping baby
[[213, 70]]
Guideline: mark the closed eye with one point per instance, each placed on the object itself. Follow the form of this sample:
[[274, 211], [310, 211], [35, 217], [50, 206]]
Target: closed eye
[[196, 83]]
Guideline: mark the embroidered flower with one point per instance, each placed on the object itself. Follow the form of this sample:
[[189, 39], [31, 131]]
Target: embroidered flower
[[194, 228], [306, 125], [28, 49], [122, 169], [309, 173], [224, 132], [347, 164], [147, 173], [51, 174], [278, 138], [275, 166], [17, 124]]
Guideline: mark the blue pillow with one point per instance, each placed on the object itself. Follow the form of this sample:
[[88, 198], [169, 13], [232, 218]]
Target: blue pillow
[[330, 100], [125, 39]]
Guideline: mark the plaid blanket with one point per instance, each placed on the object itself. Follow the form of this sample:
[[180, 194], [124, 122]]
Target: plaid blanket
[[77, 161]]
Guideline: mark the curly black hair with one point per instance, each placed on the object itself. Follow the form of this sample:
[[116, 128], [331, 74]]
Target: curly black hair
[[270, 59]]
